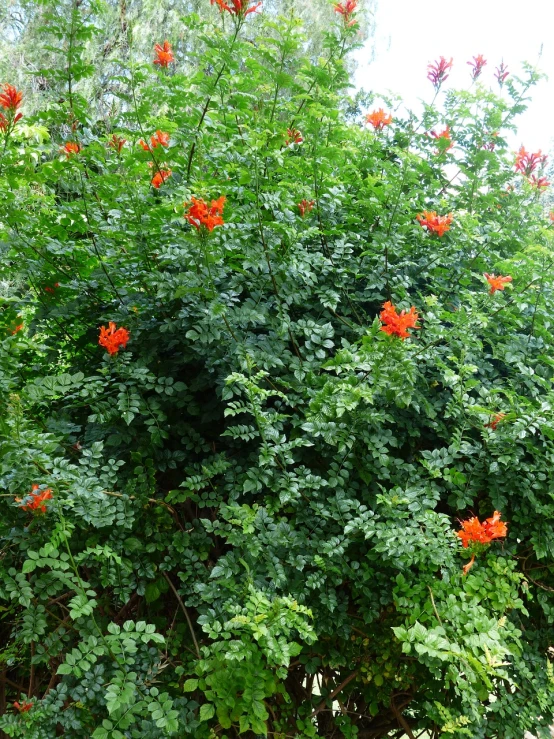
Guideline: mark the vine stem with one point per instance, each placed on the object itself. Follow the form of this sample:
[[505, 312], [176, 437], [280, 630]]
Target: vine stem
[[207, 103], [183, 608]]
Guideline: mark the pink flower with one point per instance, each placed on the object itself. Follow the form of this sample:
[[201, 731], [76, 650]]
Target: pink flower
[[477, 65], [436, 72]]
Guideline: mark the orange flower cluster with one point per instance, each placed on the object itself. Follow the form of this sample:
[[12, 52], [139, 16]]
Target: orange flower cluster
[[70, 148], [117, 143], [200, 214], [158, 139], [37, 500], [10, 100], [435, 223], [444, 140], [347, 10], [396, 324], [477, 65], [379, 119], [475, 532], [239, 8], [22, 707], [112, 338], [527, 162], [160, 177], [17, 329], [539, 182], [495, 420], [436, 73], [294, 137], [305, 206], [164, 54], [52, 289], [496, 282]]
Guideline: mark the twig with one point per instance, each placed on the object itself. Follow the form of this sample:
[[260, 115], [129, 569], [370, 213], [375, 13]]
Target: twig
[[335, 692], [183, 608]]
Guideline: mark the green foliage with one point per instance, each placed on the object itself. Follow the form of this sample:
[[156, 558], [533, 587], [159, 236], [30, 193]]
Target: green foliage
[[246, 513]]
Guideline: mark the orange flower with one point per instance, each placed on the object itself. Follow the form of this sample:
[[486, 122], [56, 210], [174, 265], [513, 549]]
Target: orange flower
[[436, 72], [37, 500], [158, 139], [305, 206], [52, 289], [113, 339], [294, 137], [379, 119], [444, 140], [347, 9], [116, 142], [69, 148], [497, 417], [201, 214], [551, 215], [397, 323], [240, 8], [539, 182], [475, 532], [18, 328], [435, 223], [22, 707], [496, 283], [160, 177], [477, 65], [10, 98], [164, 54], [526, 163]]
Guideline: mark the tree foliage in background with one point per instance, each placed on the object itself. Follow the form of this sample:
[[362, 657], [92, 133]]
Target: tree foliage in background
[[241, 519]]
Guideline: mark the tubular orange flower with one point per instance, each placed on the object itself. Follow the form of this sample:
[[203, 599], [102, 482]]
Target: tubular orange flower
[[435, 223], [436, 72], [477, 65], [396, 324], [347, 10], [305, 206], [116, 142], [10, 98], [379, 119], [18, 328], [52, 289], [22, 707], [294, 137], [200, 214], [160, 138], [37, 500], [164, 54], [475, 532], [239, 8], [70, 148], [443, 139], [496, 282], [497, 417], [541, 183], [113, 339], [526, 163], [160, 177]]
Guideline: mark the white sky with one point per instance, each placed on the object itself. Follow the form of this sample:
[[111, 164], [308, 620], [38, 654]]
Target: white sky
[[412, 33]]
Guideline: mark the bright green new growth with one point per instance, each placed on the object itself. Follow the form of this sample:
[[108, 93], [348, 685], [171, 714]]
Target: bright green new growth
[[255, 497]]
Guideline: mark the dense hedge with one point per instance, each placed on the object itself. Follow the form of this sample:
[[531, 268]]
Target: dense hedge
[[232, 468]]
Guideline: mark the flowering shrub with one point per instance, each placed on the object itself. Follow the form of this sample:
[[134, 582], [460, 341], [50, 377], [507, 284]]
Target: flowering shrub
[[251, 426]]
